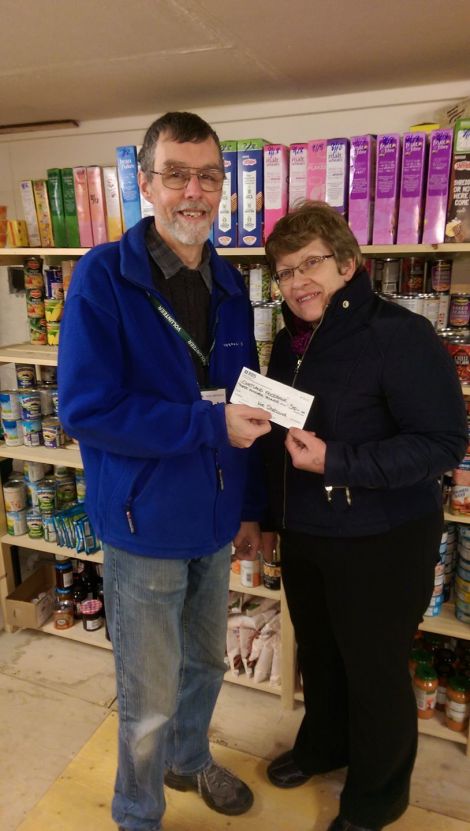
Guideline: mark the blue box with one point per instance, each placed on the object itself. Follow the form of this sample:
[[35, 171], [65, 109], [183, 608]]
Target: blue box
[[225, 225], [126, 160], [250, 192]]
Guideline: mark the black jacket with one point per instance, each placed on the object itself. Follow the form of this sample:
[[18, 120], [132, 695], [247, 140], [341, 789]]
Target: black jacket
[[388, 404]]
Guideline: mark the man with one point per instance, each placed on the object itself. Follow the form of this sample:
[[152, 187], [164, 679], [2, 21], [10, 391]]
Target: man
[[152, 323]]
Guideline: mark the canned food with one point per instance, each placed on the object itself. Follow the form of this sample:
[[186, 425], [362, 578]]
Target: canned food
[[34, 281], [66, 492], [265, 321], [244, 270], [80, 485], [30, 402], [12, 432], [443, 313], [458, 347], [413, 271], [34, 471], [52, 330], [45, 393], [32, 493], [54, 309], [413, 302], [53, 282], [49, 528], [16, 522], [459, 311], [46, 496], [272, 574], [14, 495], [53, 432], [37, 330], [441, 275], [259, 283], [34, 524], [10, 404], [34, 303], [49, 375], [264, 349], [33, 265], [25, 376], [460, 499], [55, 400], [387, 274], [32, 432], [431, 308]]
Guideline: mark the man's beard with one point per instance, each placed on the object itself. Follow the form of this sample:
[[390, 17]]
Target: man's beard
[[183, 232]]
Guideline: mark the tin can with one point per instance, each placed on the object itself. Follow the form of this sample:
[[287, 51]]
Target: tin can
[[13, 432], [265, 320], [32, 265], [244, 270], [66, 493], [250, 573], [14, 495], [16, 522], [34, 281], [443, 313], [264, 349], [34, 471], [25, 376], [413, 271], [53, 432], [34, 524], [431, 308], [80, 485], [10, 405], [45, 394], [272, 574], [32, 499], [413, 302], [67, 271], [259, 283], [30, 402], [458, 345], [52, 332], [53, 309], [46, 496], [49, 529], [459, 311], [37, 330], [49, 375], [53, 282], [460, 499], [387, 275], [55, 400], [32, 432], [441, 275], [35, 302]]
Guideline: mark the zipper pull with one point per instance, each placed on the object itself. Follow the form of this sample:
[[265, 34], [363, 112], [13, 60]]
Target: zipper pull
[[348, 496], [130, 520], [221, 477], [329, 492]]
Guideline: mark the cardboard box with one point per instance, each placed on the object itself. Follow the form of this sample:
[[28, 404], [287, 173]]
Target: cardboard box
[[437, 187], [21, 611], [298, 161], [126, 161], [276, 164], [458, 216], [43, 213], [29, 208], [387, 178], [250, 192], [413, 170], [337, 174], [225, 225], [362, 187], [113, 204], [316, 170], [97, 204], [82, 202]]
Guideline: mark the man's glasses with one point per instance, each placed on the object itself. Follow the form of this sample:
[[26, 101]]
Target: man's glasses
[[178, 178], [307, 268]]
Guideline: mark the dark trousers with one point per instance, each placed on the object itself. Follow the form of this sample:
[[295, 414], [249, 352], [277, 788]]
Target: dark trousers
[[355, 605]]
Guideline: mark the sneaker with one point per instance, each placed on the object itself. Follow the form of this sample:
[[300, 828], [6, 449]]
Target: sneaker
[[285, 773], [220, 789], [342, 824]]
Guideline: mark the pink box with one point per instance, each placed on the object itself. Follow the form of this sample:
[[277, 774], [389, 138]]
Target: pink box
[[362, 187], [97, 203], [437, 188], [83, 207], [337, 174], [276, 174], [316, 170], [297, 174], [413, 170], [387, 177]]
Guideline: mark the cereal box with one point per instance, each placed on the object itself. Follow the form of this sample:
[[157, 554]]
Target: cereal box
[[361, 187], [458, 217], [97, 203], [316, 169], [29, 208], [337, 174], [437, 186], [43, 213], [250, 192], [387, 178], [413, 170], [113, 205], [17, 233], [297, 173], [225, 225], [276, 172], [126, 160], [80, 184]]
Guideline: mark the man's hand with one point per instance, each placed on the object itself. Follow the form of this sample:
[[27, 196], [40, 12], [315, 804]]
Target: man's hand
[[269, 545], [306, 450], [248, 540], [245, 424]]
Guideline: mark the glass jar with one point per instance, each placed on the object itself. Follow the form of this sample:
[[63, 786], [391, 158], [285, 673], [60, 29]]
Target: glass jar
[[79, 594], [425, 685], [63, 609], [444, 671], [92, 615], [419, 656], [63, 573], [458, 703]]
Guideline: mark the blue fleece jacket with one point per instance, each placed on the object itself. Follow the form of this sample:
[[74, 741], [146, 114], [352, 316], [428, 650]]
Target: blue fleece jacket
[[162, 478]]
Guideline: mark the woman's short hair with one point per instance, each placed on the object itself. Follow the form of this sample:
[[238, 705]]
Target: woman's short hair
[[308, 221]]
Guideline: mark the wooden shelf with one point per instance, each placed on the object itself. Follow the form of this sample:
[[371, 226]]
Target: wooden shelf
[[258, 591], [42, 252], [59, 551], [435, 727], [446, 624], [78, 633], [29, 353], [420, 248], [243, 681], [450, 517], [68, 455]]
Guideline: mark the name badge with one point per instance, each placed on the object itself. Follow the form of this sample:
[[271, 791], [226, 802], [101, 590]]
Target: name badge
[[214, 395]]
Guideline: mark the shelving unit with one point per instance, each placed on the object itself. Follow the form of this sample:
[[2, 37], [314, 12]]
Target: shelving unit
[[445, 623]]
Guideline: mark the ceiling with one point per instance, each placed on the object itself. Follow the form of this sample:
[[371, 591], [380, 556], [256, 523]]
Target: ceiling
[[92, 60]]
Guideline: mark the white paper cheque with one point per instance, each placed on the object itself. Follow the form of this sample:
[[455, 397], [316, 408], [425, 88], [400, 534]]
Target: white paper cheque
[[288, 407]]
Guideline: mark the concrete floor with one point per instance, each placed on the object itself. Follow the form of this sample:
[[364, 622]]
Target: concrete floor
[[55, 693]]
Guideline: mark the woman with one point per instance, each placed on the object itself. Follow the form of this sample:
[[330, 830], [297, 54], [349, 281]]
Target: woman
[[357, 502]]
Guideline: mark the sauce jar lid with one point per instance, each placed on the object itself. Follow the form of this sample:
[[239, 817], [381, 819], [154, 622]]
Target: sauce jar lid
[[426, 672], [91, 607], [459, 683]]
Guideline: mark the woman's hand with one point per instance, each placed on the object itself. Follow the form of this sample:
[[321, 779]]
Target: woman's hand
[[306, 450]]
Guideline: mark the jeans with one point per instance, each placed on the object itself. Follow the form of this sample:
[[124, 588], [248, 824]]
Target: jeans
[[167, 620]]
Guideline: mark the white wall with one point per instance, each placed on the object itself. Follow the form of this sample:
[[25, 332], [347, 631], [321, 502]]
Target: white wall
[[28, 155]]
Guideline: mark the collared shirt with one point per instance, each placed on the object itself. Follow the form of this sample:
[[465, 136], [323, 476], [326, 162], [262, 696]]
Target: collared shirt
[[187, 290]]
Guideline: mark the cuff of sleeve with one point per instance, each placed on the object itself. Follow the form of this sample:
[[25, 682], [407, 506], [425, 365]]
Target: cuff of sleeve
[[219, 424], [335, 471]]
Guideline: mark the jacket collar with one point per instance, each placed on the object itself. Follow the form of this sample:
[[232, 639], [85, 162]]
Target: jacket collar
[[135, 265]]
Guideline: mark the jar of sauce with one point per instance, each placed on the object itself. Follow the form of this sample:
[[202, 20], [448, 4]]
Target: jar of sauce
[[425, 685], [458, 703], [63, 573], [63, 609]]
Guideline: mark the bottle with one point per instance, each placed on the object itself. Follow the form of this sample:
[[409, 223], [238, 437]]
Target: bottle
[[63, 609], [444, 671], [272, 571], [419, 656], [458, 703], [63, 573], [425, 687], [79, 594]]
